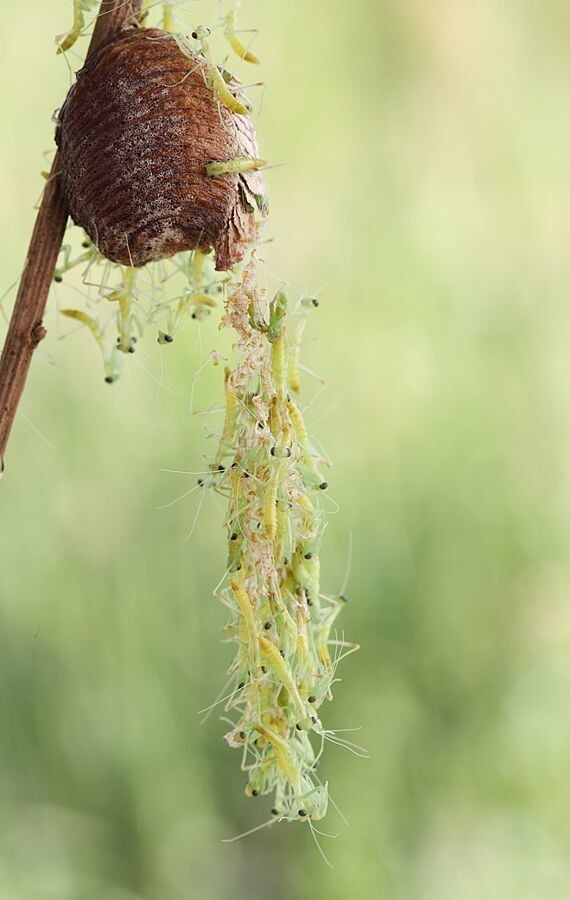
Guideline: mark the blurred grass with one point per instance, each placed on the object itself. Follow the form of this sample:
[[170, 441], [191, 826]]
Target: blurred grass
[[426, 188]]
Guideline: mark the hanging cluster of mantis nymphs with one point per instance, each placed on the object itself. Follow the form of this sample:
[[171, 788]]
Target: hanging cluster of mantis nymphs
[[283, 626], [121, 301]]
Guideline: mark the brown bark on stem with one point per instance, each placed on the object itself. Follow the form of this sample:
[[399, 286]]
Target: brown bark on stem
[[26, 330]]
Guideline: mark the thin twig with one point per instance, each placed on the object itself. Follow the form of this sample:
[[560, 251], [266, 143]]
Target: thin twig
[[26, 329]]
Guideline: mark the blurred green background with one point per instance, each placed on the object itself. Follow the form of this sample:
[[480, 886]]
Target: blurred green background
[[426, 188]]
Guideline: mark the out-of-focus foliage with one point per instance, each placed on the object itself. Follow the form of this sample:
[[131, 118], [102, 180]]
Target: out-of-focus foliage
[[426, 188]]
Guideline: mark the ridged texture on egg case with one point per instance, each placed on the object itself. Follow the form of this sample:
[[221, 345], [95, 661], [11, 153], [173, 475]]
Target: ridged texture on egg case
[[136, 132]]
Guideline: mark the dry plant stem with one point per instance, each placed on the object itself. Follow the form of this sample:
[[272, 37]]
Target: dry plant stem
[[113, 15], [26, 330]]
